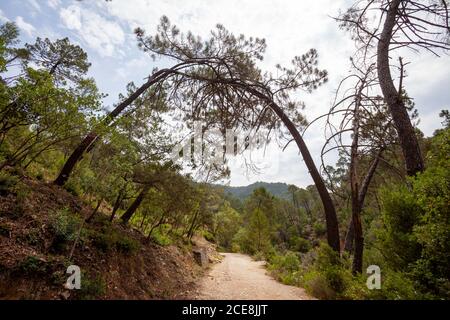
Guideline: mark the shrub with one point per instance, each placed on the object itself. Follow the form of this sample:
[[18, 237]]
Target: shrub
[[33, 237], [40, 176], [103, 241], [127, 245], [65, 226], [259, 256], [286, 267], [32, 265], [159, 237], [317, 285], [91, 287], [416, 238], [7, 182], [108, 239], [208, 236], [299, 244], [319, 229], [72, 187]]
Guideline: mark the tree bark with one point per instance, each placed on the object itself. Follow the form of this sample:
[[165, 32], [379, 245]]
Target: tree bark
[[405, 130], [117, 204], [135, 205], [327, 202], [190, 233], [91, 216], [350, 236]]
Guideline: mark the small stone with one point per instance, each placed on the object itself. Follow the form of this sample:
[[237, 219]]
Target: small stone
[[65, 295]]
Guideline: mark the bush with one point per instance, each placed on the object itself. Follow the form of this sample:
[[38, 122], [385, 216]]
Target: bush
[[286, 267], [259, 256], [72, 187], [65, 225], [319, 229], [33, 237], [208, 236], [91, 287], [394, 286], [108, 239], [329, 275], [299, 244], [159, 237], [7, 182], [416, 238], [40, 176], [317, 285], [103, 241], [127, 245], [32, 265]]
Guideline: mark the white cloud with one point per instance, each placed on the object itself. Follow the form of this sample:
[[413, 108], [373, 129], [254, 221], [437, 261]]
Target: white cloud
[[99, 33], [130, 67], [25, 26], [71, 17], [53, 3], [3, 18], [35, 5]]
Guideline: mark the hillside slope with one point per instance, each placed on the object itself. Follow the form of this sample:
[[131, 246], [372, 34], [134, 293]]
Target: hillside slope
[[39, 223], [277, 189]]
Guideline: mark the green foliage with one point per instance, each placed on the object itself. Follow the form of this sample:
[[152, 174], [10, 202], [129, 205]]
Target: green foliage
[[127, 245], [7, 182], [226, 224], [73, 188], [160, 237], [33, 265], [65, 226], [416, 237], [286, 267], [319, 229], [33, 237], [92, 287], [109, 239], [299, 244]]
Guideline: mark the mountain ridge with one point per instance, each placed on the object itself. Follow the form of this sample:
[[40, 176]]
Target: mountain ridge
[[278, 189]]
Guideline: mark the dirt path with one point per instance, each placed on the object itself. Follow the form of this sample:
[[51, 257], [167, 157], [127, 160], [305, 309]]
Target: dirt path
[[239, 277]]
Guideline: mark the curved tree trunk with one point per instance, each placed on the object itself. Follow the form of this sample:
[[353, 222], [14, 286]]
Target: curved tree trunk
[[327, 202], [92, 137], [136, 203], [405, 130], [92, 215]]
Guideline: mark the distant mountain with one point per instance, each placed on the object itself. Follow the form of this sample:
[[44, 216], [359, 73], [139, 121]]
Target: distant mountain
[[277, 189]]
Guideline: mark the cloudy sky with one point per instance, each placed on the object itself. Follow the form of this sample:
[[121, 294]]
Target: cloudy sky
[[105, 31]]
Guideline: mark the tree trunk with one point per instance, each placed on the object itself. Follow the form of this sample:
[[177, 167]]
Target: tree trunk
[[350, 236], [136, 203], [356, 212], [117, 204], [89, 219], [405, 130], [92, 137], [327, 202], [354, 186], [76, 156], [160, 222], [190, 233]]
